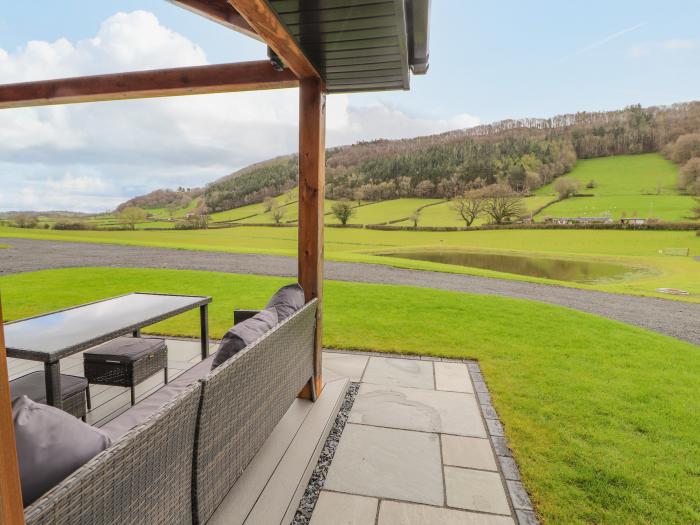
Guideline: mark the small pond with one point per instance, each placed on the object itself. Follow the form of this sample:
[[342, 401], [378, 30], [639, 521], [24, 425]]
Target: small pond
[[559, 269]]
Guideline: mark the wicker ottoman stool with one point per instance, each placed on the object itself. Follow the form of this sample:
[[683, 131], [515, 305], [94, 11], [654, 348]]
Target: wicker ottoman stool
[[74, 391], [126, 361]]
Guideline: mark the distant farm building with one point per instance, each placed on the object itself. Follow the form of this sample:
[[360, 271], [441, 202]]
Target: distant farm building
[[581, 220], [633, 220]]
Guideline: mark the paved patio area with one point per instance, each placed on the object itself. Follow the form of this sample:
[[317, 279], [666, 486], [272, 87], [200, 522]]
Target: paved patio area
[[418, 449], [423, 444]]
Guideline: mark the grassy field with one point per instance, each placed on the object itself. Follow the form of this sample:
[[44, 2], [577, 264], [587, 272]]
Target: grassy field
[[443, 214], [637, 249], [602, 417], [633, 185], [385, 211]]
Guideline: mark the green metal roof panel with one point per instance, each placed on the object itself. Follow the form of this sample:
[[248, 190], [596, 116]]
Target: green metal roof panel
[[358, 45]]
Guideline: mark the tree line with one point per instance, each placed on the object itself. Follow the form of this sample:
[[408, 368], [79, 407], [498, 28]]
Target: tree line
[[521, 154]]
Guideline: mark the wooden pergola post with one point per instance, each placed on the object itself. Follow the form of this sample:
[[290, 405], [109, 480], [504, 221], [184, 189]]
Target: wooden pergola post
[[11, 508], [312, 178]]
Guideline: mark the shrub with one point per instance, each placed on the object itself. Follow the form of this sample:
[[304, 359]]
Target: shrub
[[343, 211], [689, 176], [70, 225], [591, 184], [566, 187], [686, 147]]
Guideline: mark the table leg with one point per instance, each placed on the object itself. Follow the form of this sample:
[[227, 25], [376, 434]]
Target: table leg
[[52, 377], [204, 329]]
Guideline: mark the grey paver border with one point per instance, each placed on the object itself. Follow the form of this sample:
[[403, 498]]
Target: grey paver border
[[518, 498]]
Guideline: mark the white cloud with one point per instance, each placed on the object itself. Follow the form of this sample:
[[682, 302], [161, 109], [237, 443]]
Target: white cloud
[[679, 43], [90, 157], [669, 46]]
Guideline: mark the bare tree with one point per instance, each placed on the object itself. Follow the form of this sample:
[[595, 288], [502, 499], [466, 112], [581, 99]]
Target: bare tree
[[566, 187], [25, 220], [277, 212], [343, 211], [425, 188], [502, 204], [415, 217], [268, 204], [689, 176], [469, 206], [131, 216], [696, 209]]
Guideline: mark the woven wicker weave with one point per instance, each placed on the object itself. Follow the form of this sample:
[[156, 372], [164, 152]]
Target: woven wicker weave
[[242, 402], [143, 479], [100, 371], [75, 404]]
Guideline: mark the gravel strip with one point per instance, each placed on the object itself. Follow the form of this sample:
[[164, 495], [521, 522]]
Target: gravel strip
[[318, 477], [674, 318]]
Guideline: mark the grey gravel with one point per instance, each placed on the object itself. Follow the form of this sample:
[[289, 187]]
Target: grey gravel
[[318, 477], [675, 318]]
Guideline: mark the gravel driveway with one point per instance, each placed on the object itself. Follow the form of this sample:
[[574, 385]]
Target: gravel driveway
[[674, 318]]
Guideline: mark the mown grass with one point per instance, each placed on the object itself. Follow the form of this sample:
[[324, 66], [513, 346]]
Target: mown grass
[[603, 417], [634, 185], [384, 211], [637, 249]]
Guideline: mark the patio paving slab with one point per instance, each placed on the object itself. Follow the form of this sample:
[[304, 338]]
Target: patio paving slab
[[416, 409], [453, 377], [467, 452], [398, 513], [388, 463], [475, 490], [344, 509], [339, 366], [400, 372]]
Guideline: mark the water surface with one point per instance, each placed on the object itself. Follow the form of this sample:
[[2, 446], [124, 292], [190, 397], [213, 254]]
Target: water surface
[[545, 267]]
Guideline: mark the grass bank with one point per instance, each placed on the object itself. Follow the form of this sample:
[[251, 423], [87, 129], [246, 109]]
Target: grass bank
[[602, 416], [637, 249]]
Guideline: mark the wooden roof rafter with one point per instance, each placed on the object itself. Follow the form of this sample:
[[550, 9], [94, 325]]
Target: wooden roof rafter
[[267, 24], [196, 80], [221, 12]]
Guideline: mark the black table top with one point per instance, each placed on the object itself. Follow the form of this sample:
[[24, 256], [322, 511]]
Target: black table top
[[54, 335]]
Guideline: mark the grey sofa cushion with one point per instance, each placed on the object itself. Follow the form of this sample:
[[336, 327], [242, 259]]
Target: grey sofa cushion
[[242, 334], [51, 444], [33, 385], [287, 300], [141, 411]]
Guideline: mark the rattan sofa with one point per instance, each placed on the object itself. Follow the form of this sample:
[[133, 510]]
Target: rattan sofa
[[177, 464]]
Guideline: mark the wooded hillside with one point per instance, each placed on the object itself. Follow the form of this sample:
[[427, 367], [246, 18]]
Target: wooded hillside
[[524, 154]]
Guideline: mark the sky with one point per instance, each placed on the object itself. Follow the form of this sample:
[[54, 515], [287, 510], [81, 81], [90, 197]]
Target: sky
[[488, 61]]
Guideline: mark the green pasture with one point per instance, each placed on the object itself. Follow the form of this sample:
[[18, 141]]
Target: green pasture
[[636, 249], [634, 185], [601, 416]]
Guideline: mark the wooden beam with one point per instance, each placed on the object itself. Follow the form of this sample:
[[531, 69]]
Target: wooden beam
[[267, 24], [312, 177], [197, 80], [11, 507], [219, 11]]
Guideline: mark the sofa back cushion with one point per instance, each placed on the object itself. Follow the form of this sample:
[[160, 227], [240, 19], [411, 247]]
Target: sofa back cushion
[[243, 334], [51, 445], [287, 300]]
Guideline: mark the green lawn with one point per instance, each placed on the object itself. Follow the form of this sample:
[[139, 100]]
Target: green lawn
[[639, 249], [603, 417], [637, 185]]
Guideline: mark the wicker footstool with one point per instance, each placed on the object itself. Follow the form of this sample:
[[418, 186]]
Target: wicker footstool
[[74, 391], [126, 361]]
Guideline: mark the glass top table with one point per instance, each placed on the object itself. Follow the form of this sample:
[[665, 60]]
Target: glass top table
[[53, 336]]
